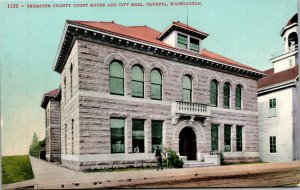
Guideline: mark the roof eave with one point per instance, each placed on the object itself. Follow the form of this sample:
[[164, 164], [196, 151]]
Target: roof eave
[[54, 67], [277, 86], [45, 101]]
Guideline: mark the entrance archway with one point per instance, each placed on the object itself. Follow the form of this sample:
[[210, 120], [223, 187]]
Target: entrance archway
[[187, 143]]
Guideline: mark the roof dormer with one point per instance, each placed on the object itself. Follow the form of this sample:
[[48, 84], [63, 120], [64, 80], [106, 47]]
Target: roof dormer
[[182, 36]]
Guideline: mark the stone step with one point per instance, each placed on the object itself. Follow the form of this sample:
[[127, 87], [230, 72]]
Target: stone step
[[196, 164]]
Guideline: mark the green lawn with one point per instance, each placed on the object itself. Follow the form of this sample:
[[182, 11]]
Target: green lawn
[[16, 169]]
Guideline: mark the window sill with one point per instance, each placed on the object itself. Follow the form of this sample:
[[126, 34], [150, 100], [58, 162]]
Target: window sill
[[270, 116], [138, 97], [117, 94], [156, 99]]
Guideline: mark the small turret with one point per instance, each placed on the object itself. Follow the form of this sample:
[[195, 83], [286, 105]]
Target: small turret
[[290, 34]]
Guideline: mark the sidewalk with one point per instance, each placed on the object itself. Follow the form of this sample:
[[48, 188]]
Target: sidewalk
[[50, 176]]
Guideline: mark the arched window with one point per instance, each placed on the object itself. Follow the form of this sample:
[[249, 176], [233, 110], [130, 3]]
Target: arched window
[[226, 95], [156, 84], [187, 89], [137, 82], [238, 97], [116, 78], [293, 41], [214, 93]]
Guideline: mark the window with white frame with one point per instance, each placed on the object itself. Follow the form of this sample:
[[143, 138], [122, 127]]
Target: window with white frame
[[117, 126], [194, 44], [188, 43], [227, 138], [239, 138], [272, 107], [182, 41], [272, 144], [214, 137]]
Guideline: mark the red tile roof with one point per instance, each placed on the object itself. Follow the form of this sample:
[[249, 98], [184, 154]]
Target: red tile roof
[[52, 93], [149, 35], [140, 33], [272, 78], [212, 55], [47, 96]]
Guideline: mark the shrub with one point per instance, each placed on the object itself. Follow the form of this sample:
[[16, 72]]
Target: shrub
[[37, 148], [171, 159]]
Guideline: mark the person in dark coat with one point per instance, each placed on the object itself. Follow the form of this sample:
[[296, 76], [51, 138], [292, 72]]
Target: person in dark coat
[[158, 158]]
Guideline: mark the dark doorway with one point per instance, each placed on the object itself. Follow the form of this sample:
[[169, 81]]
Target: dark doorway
[[187, 143]]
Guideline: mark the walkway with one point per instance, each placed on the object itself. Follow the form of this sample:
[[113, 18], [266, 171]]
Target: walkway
[[50, 176]]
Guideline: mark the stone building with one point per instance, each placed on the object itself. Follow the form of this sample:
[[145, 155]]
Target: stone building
[[278, 95], [126, 89]]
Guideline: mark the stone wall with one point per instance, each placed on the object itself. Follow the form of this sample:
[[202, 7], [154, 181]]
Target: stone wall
[[53, 136], [92, 106]]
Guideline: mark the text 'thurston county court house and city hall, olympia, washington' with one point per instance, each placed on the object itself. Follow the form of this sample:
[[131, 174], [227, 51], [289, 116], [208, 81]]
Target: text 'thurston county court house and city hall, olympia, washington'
[[125, 88]]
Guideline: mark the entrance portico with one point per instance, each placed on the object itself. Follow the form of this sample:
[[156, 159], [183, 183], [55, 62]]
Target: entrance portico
[[189, 140]]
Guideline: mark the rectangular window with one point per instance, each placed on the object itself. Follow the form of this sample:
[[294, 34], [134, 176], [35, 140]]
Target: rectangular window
[[227, 138], [72, 136], [272, 107], [194, 44], [117, 126], [156, 134], [272, 144], [182, 41], [47, 117], [66, 145], [239, 138], [71, 80], [214, 137], [138, 141]]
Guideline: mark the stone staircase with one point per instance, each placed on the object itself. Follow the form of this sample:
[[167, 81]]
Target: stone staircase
[[196, 164]]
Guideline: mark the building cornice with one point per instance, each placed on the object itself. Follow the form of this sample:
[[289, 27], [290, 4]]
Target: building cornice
[[73, 31], [284, 55], [287, 27]]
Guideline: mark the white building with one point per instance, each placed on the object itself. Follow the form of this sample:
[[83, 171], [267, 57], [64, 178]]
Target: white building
[[277, 92]]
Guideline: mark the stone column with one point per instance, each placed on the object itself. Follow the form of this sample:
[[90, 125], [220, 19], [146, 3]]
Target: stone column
[[221, 137], [128, 135], [233, 138], [127, 82], [147, 85], [148, 136]]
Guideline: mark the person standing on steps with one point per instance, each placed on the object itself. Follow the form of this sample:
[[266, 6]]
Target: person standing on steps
[[158, 158]]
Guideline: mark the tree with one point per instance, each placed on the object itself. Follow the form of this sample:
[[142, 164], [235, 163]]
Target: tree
[[35, 147]]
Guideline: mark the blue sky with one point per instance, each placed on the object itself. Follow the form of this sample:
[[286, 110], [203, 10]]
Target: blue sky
[[244, 30]]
